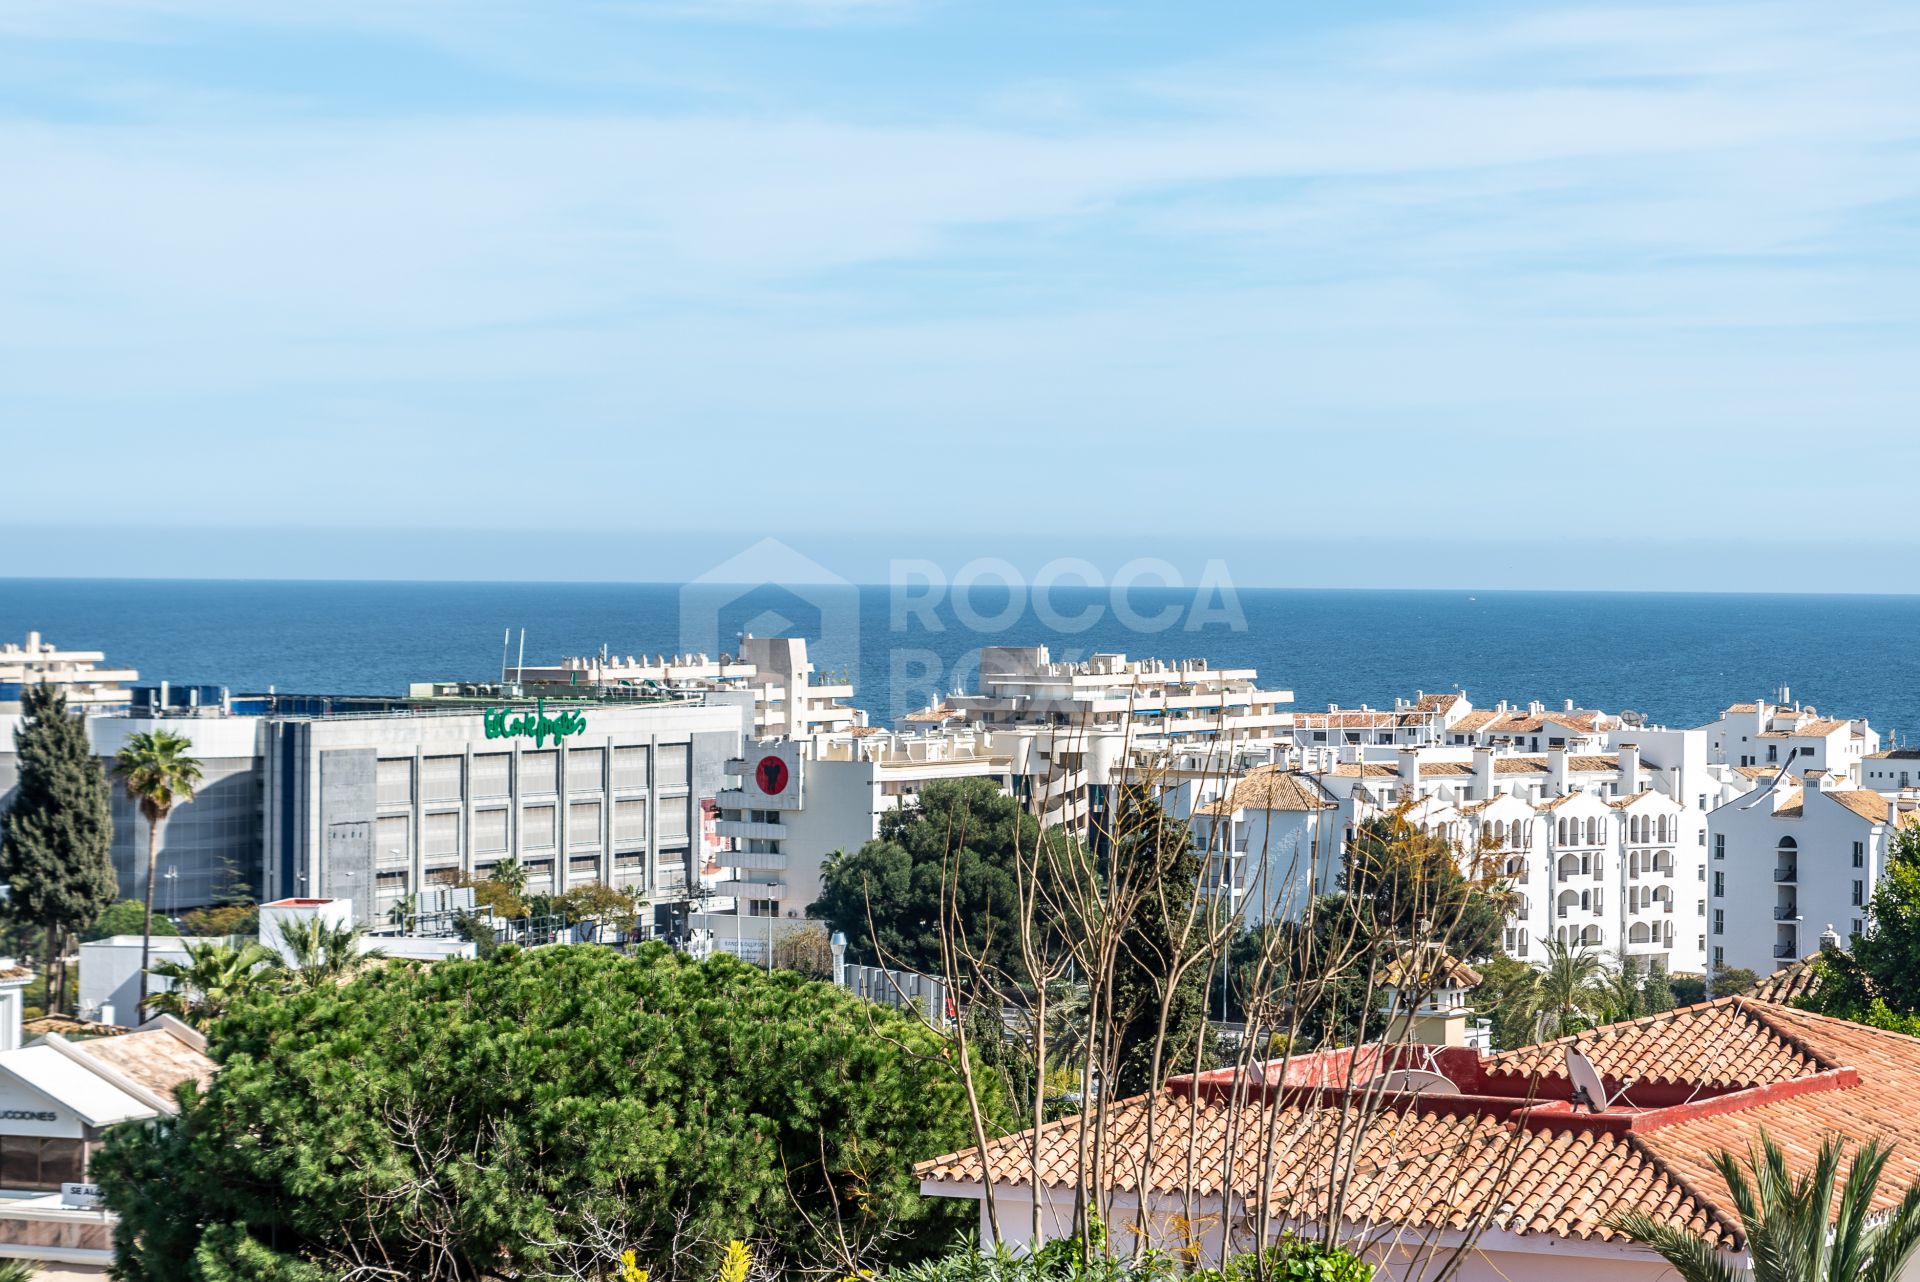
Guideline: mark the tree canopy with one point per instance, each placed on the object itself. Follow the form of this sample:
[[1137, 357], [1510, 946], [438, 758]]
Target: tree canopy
[[1875, 979], [965, 836], [535, 1115], [125, 918], [56, 839]]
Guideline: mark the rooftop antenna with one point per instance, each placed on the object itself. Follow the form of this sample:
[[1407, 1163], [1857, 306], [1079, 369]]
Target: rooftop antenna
[[1588, 1088], [520, 664], [505, 637]]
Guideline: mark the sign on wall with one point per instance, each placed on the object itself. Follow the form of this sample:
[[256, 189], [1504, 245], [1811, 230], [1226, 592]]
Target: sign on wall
[[507, 723], [773, 779]]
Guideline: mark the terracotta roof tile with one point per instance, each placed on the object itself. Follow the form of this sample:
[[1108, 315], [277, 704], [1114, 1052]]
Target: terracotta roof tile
[[1272, 788], [1445, 1163]]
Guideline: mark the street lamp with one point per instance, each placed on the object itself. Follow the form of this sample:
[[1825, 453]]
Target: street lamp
[[171, 874], [839, 945]]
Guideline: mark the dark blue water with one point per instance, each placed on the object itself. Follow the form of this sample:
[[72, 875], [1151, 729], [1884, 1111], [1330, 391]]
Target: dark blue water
[[1677, 658]]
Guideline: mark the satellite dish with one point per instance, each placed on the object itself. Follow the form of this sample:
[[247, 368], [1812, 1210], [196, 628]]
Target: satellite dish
[[1412, 1081], [1588, 1089]]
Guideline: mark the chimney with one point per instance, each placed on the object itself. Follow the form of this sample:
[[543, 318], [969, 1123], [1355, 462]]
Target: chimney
[[1557, 771], [1629, 769], [1482, 773], [1409, 774]]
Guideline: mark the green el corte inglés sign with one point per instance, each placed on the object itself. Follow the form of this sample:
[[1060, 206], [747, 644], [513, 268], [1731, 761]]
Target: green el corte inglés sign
[[505, 723]]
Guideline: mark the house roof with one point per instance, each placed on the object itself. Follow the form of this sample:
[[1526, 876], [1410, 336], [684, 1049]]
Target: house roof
[[87, 1095], [155, 1058], [1270, 787], [1511, 1146], [1428, 967], [1793, 980], [1868, 805]]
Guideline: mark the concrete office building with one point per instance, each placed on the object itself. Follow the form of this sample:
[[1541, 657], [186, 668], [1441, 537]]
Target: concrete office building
[[372, 807]]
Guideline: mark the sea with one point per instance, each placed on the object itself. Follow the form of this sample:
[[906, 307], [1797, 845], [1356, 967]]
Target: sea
[[1677, 658]]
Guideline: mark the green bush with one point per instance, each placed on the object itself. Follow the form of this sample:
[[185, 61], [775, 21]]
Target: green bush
[[526, 1115], [127, 918]]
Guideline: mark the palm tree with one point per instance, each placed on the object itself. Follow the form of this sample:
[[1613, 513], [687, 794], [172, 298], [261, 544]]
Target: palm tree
[[1570, 991], [158, 775], [210, 981], [319, 954], [1785, 1221]]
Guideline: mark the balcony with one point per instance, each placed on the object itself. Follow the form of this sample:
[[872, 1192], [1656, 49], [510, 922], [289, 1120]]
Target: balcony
[[748, 830], [1787, 873], [751, 859], [1786, 912], [1785, 951]]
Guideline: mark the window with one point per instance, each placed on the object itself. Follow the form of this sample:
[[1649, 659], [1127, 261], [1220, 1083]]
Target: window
[[537, 777], [1859, 893], [391, 839], [29, 1162], [1703, 801], [583, 825], [629, 767], [1703, 909], [763, 908], [489, 831], [670, 769], [1859, 854], [493, 774], [1719, 845], [1719, 884], [583, 866], [536, 827], [1858, 926], [440, 835], [630, 823], [1719, 924], [440, 778], [1719, 958], [389, 888], [393, 782], [583, 769], [672, 819]]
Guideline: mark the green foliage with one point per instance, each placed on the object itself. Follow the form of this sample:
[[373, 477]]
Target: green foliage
[[210, 981], [1167, 933], [1573, 991], [1687, 991], [1729, 980], [320, 954], [1291, 1259], [488, 1118], [223, 920], [1656, 990], [56, 839], [966, 835], [1504, 998], [1882, 966], [1406, 877], [126, 918], [18, 1271], [1794, 1230]]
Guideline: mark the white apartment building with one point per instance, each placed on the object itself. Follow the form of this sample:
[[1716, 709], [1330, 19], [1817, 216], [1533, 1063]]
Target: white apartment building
[[771, 674], [1762, 734], [790, 805], [80, 674], [1073, 730], [1435, 720], [1793, 859], [1603, 848]]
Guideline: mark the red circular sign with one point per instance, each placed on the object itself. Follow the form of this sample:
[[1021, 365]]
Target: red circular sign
[[771, 776]]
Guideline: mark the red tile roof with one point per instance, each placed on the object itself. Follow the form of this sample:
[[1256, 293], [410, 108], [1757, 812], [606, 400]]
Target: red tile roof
[[1706, 1078]]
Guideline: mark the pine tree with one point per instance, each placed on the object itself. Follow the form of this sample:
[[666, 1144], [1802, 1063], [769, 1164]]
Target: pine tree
[[1657, 990], [56, 841]]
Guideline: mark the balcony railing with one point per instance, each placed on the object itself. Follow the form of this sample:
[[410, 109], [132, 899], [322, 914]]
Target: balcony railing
[[1785, 950], [1789, 873], [1786, 912]]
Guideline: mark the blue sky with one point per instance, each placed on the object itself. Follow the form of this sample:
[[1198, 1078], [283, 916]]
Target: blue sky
[[1467, 294]]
